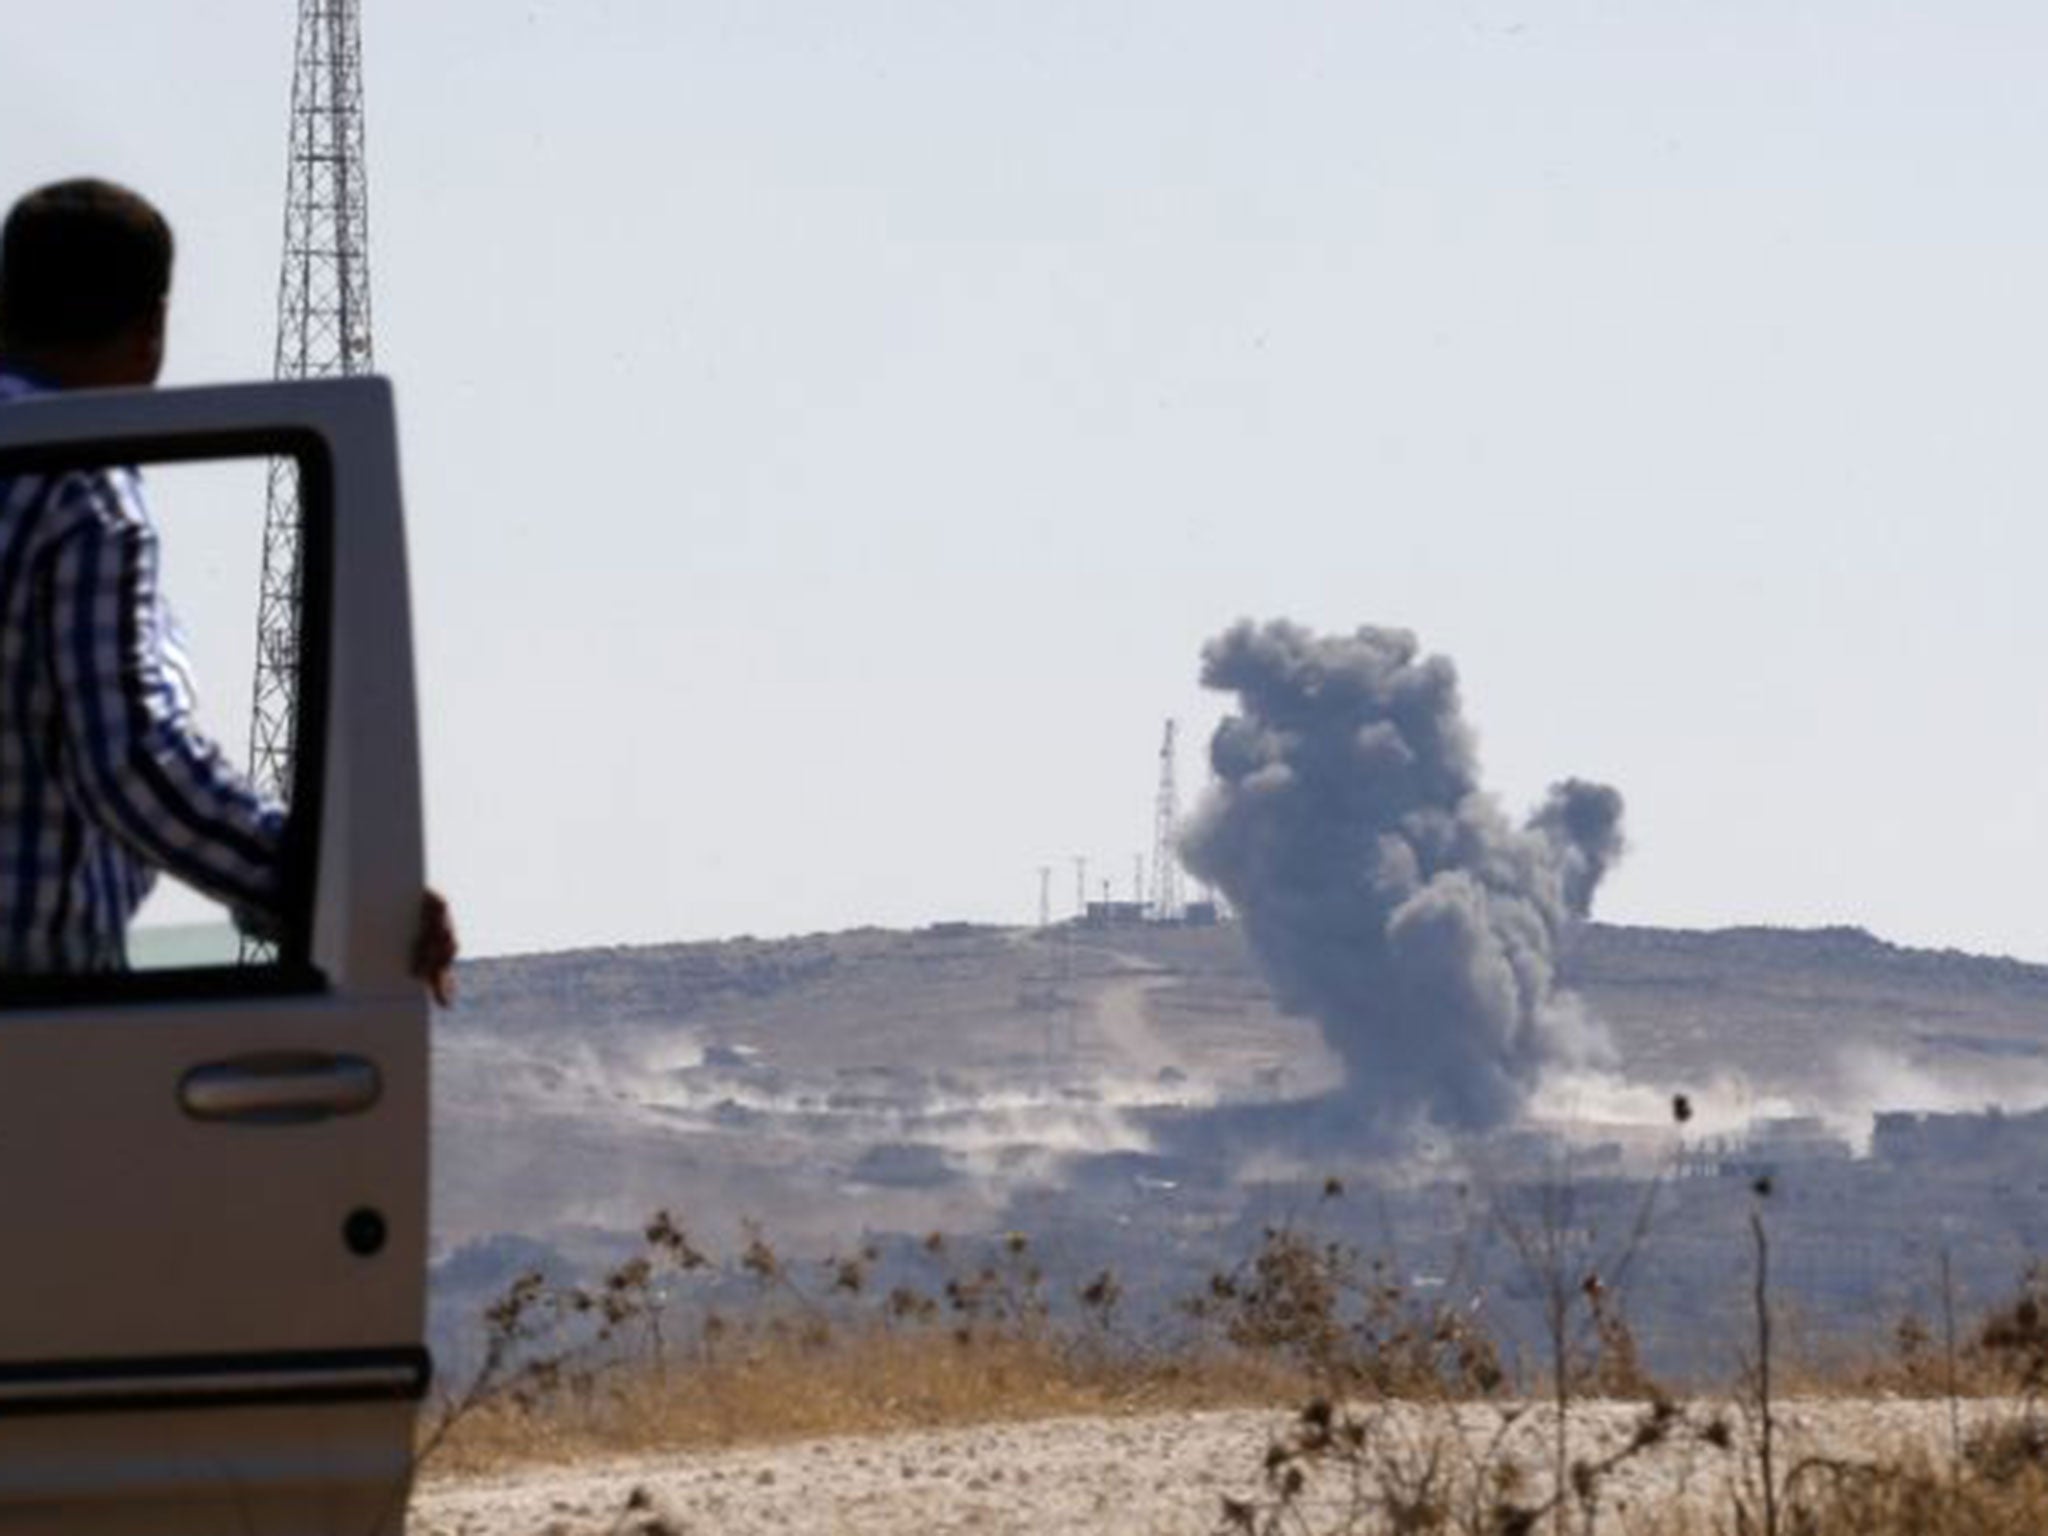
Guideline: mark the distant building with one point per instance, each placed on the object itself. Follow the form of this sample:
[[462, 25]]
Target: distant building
[[1903, 1136], [1769, 1148], [1114, 914]]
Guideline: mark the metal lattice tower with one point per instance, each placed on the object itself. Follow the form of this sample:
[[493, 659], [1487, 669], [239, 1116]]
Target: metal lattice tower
[[323, 330], [1166, 903]]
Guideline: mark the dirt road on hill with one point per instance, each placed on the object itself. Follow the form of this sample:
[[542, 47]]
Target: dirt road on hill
[[1123, 1027], [1163, 1475]]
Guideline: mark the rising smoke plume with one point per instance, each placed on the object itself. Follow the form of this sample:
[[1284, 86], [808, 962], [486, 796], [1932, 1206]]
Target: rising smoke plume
[[1384, 893]]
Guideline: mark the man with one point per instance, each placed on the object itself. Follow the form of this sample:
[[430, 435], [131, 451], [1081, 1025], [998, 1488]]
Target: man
[[105, 779]]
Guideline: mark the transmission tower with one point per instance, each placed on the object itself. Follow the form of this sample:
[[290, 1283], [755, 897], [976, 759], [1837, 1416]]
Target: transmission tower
[[323, 330], [1166, 905]]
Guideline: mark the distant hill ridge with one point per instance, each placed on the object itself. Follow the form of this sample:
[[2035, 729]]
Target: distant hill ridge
[[1764, 944], [1779, 1004], [1759, 942]]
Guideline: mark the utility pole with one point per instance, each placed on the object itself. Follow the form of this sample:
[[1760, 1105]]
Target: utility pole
[[1166, 902], [323, 331], [1045, 895]]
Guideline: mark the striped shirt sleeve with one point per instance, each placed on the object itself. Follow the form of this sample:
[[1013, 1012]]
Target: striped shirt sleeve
[[135, 759]]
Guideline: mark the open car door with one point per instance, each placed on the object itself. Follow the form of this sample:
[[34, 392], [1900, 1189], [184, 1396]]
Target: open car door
[[213, 1177]]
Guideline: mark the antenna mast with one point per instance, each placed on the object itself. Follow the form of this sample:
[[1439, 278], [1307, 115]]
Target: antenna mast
[[1166, 903], [323, 330]]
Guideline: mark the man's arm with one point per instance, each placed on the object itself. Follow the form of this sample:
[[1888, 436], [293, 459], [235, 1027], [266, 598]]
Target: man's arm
[[132, 752]]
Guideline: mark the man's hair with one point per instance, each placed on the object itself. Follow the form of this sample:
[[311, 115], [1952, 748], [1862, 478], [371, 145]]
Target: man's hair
[[80, 263]]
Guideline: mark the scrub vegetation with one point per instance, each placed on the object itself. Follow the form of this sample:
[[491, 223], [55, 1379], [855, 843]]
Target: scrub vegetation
[[576, 1369], [1396, 1408]]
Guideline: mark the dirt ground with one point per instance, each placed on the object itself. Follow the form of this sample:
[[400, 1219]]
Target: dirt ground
[[1164, 1475]]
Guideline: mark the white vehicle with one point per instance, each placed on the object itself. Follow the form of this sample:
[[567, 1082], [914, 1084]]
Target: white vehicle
[[213, 1179]]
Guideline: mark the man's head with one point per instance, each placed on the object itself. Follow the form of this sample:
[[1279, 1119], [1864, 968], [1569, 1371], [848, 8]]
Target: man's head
[[85, 273]]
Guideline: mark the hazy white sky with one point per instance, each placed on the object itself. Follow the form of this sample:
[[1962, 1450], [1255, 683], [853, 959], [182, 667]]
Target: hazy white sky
[[832, 429]]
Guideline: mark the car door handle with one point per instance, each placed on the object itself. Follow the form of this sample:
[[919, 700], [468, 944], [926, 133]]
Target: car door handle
[[280, 1088]]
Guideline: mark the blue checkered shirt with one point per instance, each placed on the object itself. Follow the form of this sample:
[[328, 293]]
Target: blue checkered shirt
[[104, 778]]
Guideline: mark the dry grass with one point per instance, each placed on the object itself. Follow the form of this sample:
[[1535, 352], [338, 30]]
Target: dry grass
[[574, 1371], [781, 1389], [1412, 1427], [1915, 1494]]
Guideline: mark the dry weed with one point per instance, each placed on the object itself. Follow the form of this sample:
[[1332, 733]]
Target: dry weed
[[570, 1371], [1410, 1427]]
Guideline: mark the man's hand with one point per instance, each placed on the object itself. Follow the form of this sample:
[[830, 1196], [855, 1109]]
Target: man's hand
[[434, 951]]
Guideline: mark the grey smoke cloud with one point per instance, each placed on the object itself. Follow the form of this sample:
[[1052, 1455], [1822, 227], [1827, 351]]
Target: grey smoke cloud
[[1385, 894], [1583, 823]]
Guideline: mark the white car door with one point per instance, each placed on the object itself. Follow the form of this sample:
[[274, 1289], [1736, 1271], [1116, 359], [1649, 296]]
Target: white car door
[[213, 1180]]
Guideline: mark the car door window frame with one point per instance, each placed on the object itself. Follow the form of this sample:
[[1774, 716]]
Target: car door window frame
[[292, 971]]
